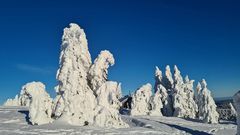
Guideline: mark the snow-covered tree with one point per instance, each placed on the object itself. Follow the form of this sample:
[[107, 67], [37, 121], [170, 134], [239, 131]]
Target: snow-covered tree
[[75, 101], [99, 70], [233, 110], [84, 97], [206, 106], [191, 105], [165, 97], [40, 109], [24, 98], [140, 100], [236, 100], [107, 111], [179, 95], [183, 97], [155, 104]]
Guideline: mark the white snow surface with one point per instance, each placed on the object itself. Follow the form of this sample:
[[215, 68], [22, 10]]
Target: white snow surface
[[13, 122]]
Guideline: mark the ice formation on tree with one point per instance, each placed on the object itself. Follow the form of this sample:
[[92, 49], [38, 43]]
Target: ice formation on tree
[[98, 72], [107, 111], [12, 102], [140, 100], [236, 100], [156, 104], [206, 105], [84, 97], [165, 96], [40, 109]]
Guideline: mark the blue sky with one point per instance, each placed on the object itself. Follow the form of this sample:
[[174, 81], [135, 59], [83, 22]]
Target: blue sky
[[201, 37]]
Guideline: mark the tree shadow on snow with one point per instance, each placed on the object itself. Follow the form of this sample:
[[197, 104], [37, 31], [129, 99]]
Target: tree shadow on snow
[[26, 113], [187, 130]]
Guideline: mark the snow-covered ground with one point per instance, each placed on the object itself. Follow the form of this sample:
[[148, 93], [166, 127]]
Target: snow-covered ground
[[14, 120]]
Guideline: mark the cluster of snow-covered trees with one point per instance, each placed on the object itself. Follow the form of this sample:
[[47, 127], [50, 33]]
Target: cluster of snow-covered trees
[[84, 94], [174, 96], [86, 97]]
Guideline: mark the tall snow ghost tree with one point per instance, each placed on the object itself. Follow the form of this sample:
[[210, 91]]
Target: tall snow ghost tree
[[98, 72], [207, 108], [84, 96], [165, 97], [236, 100], [40, 109], [140, 100], [75, 101], [183, 97]]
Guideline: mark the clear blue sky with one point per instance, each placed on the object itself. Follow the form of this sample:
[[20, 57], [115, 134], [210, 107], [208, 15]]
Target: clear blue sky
[[201, 37]]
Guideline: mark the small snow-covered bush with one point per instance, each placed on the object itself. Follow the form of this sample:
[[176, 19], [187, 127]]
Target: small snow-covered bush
[[40, 109]]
